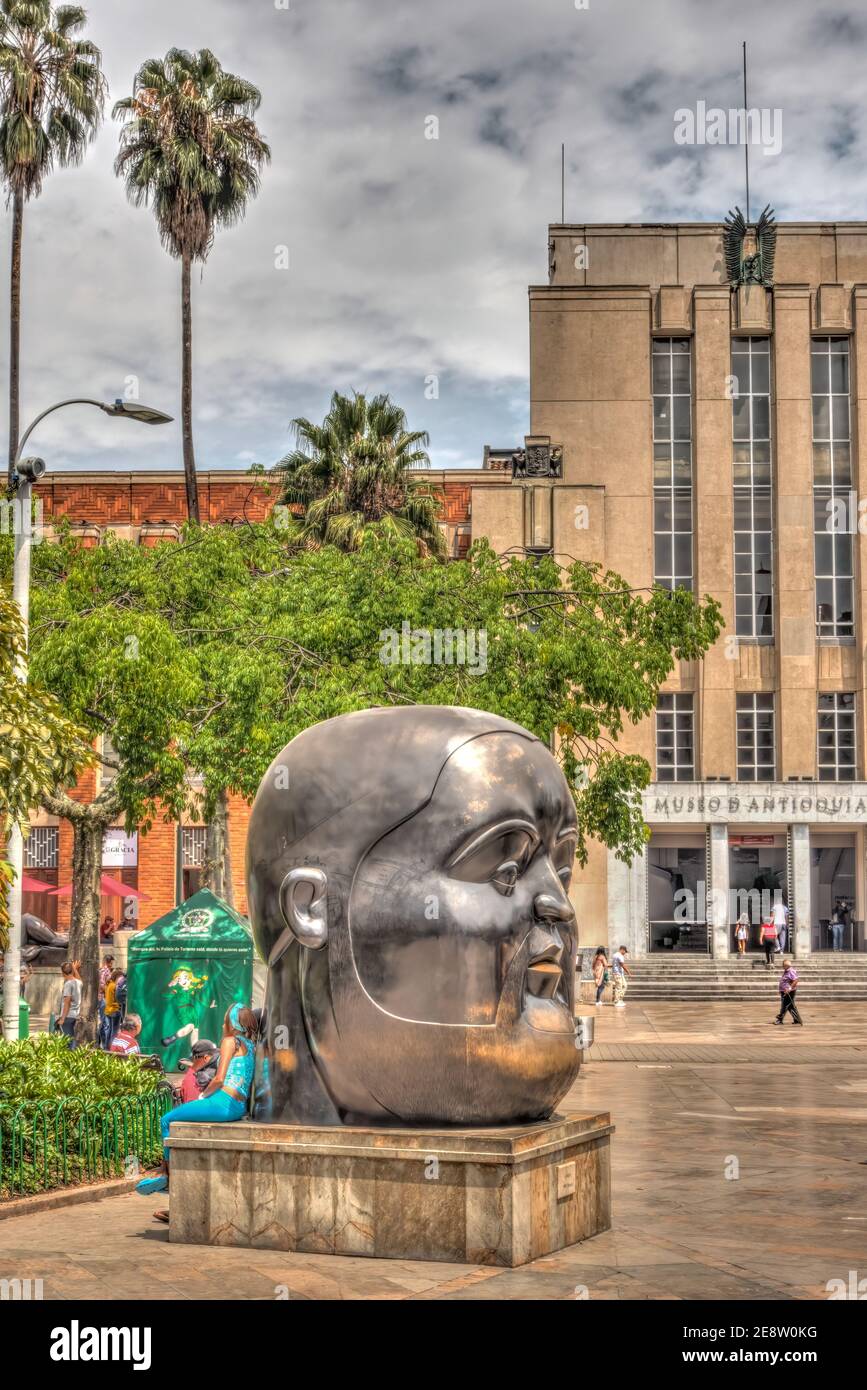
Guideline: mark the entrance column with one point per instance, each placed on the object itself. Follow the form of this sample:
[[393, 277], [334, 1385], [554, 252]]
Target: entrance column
[[718, 890], [627, 903], [801, 910]]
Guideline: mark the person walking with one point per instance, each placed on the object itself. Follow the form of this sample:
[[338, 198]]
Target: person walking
[[70, 1001], [788, 990], [742, 931], [768, 938], [620, 971], [601, 974]]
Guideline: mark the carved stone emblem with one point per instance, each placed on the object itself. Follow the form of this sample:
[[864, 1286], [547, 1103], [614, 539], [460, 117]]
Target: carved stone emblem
[[538, 460]]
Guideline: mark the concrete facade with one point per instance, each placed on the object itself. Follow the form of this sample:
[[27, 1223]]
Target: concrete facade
[[615, 295]]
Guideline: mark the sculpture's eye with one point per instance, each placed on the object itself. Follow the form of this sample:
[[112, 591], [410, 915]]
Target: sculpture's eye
[[506, 877], [564, 861], [498, 858]]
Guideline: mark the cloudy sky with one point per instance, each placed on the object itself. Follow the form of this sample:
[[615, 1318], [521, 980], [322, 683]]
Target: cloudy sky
[[408, 257]]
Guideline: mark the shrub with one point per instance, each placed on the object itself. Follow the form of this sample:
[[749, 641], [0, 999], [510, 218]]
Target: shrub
[[72, 1115]]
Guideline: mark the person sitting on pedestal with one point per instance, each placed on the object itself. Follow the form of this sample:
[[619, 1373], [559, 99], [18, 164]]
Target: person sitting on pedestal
[[227, 1096]]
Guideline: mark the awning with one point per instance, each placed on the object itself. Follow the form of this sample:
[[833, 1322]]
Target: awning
[[108, 888]]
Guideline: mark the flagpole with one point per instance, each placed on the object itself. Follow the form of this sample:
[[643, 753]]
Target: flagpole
[[746, 133]]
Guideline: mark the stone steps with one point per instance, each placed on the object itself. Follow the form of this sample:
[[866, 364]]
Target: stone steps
[[690, 979]]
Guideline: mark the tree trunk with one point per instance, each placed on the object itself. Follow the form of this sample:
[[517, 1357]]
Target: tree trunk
[[187, 389], [84, 932], [15, 326], [217, 868]]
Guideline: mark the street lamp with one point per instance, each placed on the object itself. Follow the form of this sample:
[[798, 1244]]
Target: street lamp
[[25, 472]]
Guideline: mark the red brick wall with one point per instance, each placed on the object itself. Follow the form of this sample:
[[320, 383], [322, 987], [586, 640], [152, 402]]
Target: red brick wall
[[239, 819], [157, 870]]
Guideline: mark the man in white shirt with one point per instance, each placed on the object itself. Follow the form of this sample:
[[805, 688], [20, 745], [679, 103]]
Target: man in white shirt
[[620, 971], [70, 1002]]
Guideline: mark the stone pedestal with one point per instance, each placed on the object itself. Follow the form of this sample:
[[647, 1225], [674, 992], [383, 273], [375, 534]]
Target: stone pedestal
[[475, 1196]]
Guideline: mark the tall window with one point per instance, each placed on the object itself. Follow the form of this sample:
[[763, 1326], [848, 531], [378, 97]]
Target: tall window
[[836, 738], [41, 847], [672, 463], [832, 483], [751, 435], [756, 762], [675, 742], [193, 846]]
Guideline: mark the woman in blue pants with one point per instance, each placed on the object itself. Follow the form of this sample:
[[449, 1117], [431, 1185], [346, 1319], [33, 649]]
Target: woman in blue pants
[[227, 1096]]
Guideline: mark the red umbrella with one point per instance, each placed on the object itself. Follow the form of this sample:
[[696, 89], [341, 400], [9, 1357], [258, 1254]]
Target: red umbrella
[[108, 888], [35, 885]]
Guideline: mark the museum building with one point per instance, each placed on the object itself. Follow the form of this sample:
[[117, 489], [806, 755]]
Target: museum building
[[697, 419]]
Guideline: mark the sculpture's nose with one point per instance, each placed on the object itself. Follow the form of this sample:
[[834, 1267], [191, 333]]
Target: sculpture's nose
[[549, 908]]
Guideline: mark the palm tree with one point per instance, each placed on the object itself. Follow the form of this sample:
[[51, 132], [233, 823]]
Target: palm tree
[[190, 147], [353, 474], [52, 94]]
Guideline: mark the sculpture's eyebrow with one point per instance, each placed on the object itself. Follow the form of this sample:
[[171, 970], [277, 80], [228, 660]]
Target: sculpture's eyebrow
[[493, 832], [569, 832]]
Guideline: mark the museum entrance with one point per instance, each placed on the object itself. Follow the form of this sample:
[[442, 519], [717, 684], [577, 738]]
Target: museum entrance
[[757, 877], [833, 885], [677, 894]]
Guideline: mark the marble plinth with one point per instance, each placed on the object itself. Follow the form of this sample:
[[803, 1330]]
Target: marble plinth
[[478, 1196]]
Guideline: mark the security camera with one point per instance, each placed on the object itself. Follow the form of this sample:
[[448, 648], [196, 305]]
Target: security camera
[[31, 470]]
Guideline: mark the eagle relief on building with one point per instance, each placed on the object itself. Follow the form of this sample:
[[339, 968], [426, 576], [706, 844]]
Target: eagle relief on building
[[749, 248]]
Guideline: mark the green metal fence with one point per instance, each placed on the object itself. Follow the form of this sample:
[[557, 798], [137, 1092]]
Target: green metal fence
[[50, 1143]]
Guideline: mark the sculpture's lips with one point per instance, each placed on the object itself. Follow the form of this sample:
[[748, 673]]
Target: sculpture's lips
[[544, 978]]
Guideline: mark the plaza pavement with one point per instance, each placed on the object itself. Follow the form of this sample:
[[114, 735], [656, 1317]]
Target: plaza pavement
[[697, 1094]]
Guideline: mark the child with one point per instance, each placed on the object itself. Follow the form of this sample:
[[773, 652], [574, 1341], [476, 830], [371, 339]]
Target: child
[[741, 933]]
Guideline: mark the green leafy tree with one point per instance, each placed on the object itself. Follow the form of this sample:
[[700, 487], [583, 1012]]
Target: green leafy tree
[[52, 94], [356, 473], [39, 746], [282, 638], [120, 672], [190, 148]]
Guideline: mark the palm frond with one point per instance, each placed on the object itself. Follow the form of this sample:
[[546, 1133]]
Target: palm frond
[[353, 474], [52, 91]]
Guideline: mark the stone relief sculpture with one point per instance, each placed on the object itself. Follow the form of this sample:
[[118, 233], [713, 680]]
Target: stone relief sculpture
[[407, 876]]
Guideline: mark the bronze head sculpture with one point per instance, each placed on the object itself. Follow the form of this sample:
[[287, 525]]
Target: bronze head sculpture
[[407, 875]]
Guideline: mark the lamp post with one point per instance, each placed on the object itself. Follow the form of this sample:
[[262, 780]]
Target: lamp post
[[27, 471]]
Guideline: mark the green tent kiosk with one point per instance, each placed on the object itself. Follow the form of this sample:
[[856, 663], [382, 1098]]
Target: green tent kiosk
[[184, 971]]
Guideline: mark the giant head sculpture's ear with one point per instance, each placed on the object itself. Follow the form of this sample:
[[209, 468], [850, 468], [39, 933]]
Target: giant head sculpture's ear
[[304, 905]]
